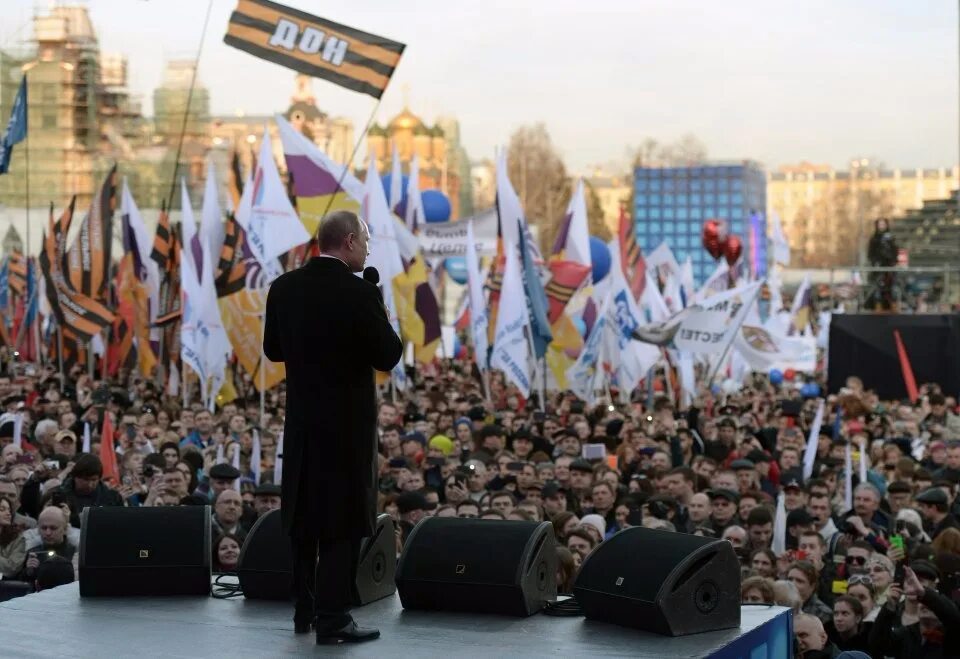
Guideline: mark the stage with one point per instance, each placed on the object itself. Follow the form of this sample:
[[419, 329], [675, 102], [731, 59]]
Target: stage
[[58, 623]]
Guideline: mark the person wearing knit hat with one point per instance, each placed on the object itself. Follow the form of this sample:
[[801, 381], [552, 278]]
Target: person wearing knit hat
[[463, 431], [441, 443], [595, 523]]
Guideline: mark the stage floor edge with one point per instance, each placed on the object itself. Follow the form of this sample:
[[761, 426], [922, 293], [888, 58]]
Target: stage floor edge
[[58, 623]]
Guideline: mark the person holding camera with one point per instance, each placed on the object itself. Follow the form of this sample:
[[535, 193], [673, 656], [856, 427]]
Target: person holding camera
[[52, 525]]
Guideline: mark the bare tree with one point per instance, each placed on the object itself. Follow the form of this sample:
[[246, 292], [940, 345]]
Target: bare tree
[[595, 223], [831, 231], [540, 178]]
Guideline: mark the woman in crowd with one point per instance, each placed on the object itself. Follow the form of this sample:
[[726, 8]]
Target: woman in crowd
[[563, 523], [847, 630], [226, 553], [880, 569], [763, 563], [566, 571], [860, 587], [13, 550], [757, 590], [946, 557]]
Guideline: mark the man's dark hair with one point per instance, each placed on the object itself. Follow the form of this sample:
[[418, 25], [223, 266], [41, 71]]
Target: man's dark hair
[[818, 483], [87, 466], [937, 399], [468, 502], [335, 227], [491, 511], [759, 516], [394, 426], [583, 533], [156, 460], [166, 445], [501, 494], [688, 474], [610, 488]]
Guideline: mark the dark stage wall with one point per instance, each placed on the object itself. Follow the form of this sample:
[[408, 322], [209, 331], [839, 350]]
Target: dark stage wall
[[863, 345]]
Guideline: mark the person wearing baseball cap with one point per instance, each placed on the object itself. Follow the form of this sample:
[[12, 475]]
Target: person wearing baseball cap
[[724, 503], [934, 506]]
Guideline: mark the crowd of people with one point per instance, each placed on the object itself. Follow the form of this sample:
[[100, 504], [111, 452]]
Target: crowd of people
[[880, 576]]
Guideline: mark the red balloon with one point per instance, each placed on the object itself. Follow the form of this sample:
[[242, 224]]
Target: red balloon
[[789, 374], [732, 249], [714, 233]]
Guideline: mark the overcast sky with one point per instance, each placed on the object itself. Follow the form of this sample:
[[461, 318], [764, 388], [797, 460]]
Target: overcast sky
[[778, 82]]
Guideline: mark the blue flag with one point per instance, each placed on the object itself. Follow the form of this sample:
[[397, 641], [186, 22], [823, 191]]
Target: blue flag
[[5, 286], [33, 294], [537, 304], [16, 128]]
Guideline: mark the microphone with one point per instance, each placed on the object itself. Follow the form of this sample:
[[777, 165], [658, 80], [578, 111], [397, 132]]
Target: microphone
[[371, 275]]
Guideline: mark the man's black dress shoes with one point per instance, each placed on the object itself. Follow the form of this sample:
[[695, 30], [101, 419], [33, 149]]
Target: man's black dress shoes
[[349, 633]]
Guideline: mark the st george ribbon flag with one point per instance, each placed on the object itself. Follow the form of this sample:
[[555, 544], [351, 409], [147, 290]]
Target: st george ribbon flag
[[314, 46]]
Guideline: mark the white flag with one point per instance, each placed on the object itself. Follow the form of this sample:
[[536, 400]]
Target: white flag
[[583, 375], [220, 459], [848, 479], [710, 328], [150, 272], [801, 294], [278, 461], [86, 437], [511, 347], [255, 457], [188, 227], [810, 455], [510, 210], [478, 306], [211, 219], [779, 544], [781, 247], [687, 285], [716, 282], [396, 181], [413, 214], [576, 247], [270, 221], [863, 461], [18, 429], [236, 465]]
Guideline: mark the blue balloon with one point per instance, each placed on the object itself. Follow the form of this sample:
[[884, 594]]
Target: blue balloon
[[456, 267], [715, 389], [436, 206], [456, 346], [776, 376], [581, 325], [600, 256], [810, 390], [387, 179]]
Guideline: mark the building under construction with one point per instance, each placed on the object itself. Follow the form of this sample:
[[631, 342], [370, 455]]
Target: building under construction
[[81, 116]]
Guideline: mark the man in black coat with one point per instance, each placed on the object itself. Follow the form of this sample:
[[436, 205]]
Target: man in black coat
[[331, 330]]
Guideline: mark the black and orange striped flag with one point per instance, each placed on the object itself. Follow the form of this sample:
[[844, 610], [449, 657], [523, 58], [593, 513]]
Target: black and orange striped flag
[[75, 311], [166, 254], [231, 274], [631, 258], [313, 45], [87, 263]]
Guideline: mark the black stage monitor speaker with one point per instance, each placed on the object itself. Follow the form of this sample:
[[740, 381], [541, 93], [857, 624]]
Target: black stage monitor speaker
[[145, 551], [265, 567], [661, 582], [483, 566]]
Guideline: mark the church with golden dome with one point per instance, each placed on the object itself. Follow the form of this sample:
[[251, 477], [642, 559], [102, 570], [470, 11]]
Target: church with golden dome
[[439, 164]]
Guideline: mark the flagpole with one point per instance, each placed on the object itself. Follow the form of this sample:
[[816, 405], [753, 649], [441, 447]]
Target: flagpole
[[186, 111], [27, 186], [60, 349], [349, 163], [263, 368]]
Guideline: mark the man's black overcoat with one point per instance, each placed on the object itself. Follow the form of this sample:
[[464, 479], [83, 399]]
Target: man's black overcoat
[[331, 330]]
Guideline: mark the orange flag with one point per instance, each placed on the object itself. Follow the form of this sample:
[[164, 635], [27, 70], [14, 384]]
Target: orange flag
[[909, 381], [108, 453]]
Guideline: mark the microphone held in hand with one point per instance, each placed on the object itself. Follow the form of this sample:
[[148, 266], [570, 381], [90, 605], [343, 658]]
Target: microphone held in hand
[[371, 275]]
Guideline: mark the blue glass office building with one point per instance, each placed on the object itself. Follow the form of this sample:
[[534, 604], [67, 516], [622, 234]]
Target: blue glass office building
[[671, 203]]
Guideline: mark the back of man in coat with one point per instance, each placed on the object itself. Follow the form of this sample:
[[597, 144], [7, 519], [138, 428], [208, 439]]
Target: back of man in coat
[[331, 330]]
